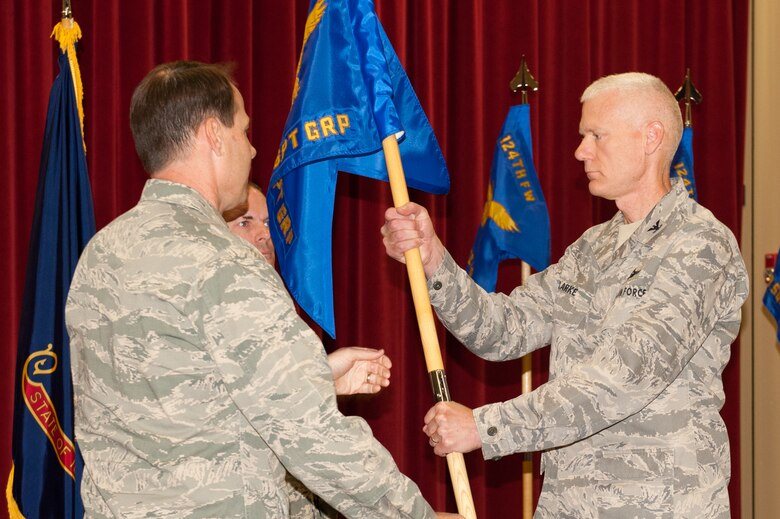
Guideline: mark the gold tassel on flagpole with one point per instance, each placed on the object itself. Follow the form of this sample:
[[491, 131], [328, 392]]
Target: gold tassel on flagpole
[[67, 33]]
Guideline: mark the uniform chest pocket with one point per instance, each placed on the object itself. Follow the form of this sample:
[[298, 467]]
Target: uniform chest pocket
[[635, 288], [615, 301], [572, 304]]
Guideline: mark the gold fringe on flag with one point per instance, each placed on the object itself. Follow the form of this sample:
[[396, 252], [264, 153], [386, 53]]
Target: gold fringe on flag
[[13, 508]]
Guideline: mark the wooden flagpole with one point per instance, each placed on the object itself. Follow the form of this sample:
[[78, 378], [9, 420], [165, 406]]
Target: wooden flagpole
[[526, 386], [430, 341], [524, 81]]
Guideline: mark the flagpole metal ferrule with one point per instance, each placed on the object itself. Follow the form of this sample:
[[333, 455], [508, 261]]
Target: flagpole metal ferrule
[[441, 393]]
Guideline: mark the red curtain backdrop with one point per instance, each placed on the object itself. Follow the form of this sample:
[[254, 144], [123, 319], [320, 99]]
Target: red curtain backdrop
[[460, 56]]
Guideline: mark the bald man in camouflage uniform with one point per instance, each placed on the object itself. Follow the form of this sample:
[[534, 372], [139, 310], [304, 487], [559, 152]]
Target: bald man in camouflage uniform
[[197, 387], [640, 313]]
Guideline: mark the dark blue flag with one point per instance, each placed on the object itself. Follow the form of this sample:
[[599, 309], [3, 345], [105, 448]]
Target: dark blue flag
[[772, 295], [515, 223], [46, 469], [682, 163], [350, 93]]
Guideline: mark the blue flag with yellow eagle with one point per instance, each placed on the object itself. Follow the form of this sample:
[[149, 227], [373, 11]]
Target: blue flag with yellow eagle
[[772, 295], [46, 470], [682, 163], [515, 223], [350, 93]]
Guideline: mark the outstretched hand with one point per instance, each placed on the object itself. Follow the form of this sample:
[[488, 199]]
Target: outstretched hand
[[359, 370]]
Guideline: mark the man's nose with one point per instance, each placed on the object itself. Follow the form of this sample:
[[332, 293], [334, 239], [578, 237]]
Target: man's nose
[[582, 152], [264, 233]]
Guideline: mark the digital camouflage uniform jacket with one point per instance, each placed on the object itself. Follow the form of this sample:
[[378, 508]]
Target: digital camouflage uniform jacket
[[639, 338], [196, 384]]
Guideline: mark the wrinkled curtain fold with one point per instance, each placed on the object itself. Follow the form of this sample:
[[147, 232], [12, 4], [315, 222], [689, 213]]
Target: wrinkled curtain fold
[[460, 57]]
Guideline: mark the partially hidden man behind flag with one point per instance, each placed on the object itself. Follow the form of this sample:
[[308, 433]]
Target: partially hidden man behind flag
[[350, 93], [682, 163], [515, 223], [46, 470], [772, 295]]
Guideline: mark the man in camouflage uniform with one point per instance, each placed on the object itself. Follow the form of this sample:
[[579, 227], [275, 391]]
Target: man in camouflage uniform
[[197, 387], [640, 313], [355, 370]]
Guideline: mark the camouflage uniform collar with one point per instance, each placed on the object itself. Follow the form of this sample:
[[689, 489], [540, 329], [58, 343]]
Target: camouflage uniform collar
[[175, 193], [656, 220]]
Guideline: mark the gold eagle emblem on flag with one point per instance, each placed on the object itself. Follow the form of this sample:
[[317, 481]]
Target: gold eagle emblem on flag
[[498, 213]]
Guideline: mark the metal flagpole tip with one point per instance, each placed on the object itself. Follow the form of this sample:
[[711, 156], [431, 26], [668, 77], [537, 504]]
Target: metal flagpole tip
[[524, 81], [687, 93]]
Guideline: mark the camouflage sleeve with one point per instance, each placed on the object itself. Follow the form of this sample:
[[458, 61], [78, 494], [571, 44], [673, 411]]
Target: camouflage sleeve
[[494, 326], [275, 370], [698, 286]]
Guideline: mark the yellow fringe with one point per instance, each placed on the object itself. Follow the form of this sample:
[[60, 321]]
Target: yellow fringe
[[13, 508], [67, 33]]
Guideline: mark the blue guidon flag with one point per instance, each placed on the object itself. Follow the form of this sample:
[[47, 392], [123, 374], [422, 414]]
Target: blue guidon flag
[[46, 470], [350, 93], [515, 223], [772, 295], [682, 163]]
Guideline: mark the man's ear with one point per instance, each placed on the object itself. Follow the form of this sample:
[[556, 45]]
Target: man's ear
[[654, 135], [213, 131]]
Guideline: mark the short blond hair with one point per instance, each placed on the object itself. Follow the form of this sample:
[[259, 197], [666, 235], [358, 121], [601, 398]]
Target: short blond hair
[[660, 103]]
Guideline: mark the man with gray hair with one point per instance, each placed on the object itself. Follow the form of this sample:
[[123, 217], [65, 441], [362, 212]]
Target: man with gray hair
[[640, 313]]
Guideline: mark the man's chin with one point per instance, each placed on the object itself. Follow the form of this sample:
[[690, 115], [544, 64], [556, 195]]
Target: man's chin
[[235, 212]]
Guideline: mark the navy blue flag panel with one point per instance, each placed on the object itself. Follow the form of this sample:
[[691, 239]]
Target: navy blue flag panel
[[350, 93], [515, 222], [46, 466]]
